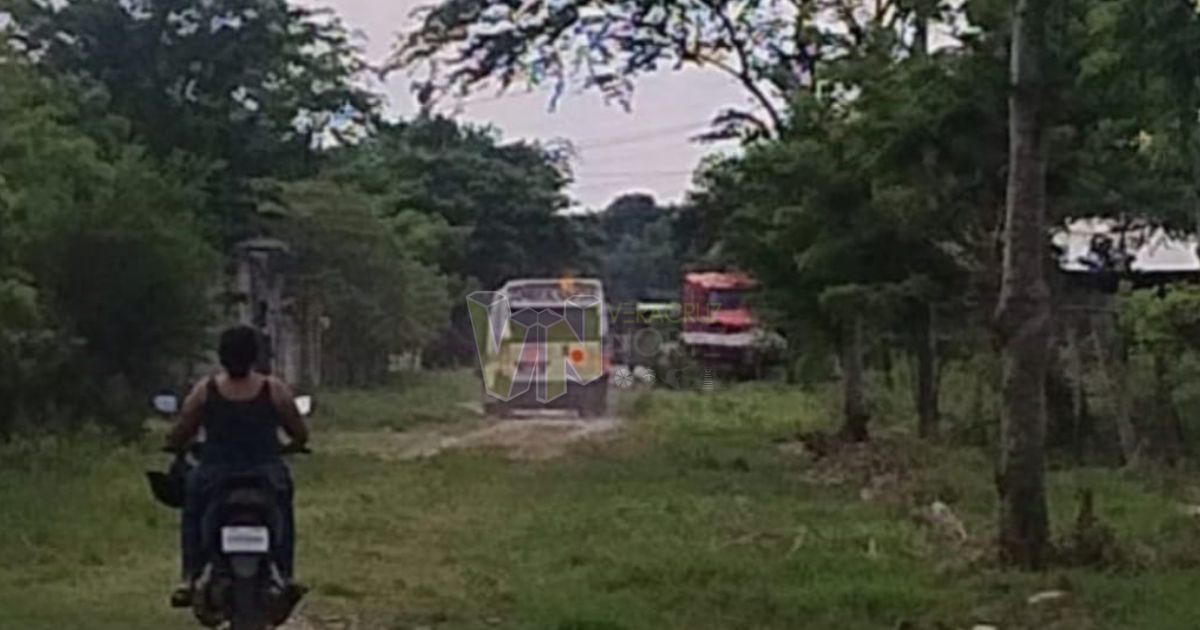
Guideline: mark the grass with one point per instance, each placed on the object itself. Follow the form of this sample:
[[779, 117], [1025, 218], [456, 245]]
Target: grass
[[693, 519], [415, 398]]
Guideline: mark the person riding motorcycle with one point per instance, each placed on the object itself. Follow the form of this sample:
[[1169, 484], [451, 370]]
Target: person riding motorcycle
[[241, 412]]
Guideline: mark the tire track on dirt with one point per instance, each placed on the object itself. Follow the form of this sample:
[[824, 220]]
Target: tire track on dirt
[[523, 438]]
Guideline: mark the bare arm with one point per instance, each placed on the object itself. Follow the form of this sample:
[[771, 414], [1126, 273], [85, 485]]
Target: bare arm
[[293, 422], [191, 417]]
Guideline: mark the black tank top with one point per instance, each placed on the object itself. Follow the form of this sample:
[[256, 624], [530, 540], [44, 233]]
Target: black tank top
[[240, 432]]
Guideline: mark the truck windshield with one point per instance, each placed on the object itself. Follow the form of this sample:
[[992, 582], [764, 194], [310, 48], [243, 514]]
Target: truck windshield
[[726, 300], [551, 292]]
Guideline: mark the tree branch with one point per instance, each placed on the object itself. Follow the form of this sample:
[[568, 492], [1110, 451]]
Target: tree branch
[[745, 75]]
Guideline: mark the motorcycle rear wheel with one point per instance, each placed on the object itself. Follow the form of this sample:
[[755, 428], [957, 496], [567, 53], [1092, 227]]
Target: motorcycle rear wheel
[[248, 610]]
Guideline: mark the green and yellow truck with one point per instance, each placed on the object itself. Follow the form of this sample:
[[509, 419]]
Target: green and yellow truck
[[543, 344]]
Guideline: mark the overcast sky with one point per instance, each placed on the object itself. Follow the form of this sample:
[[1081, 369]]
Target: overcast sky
[[643, 150]]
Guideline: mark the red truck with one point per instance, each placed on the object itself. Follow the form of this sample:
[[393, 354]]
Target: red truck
[[719, 328]]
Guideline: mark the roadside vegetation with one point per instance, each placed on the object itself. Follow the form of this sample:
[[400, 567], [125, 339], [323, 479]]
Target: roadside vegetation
[[408, 400], [965, 395], [706, 511]]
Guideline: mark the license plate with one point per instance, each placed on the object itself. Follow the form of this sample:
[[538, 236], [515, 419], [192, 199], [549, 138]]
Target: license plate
[[245, 539]]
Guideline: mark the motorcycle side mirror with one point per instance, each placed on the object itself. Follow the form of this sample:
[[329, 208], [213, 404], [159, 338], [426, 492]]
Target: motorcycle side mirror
[[305, 405], [165, 404]]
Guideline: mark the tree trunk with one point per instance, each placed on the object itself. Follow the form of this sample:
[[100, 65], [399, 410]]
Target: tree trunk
[[928, 414], [1111, 357], [887, 366], [1060, 404], [1170, 427], [980, 413], [1080, 426], [1191, 123], [921, 29], [792, 370], [1023, 312], [853, 390]]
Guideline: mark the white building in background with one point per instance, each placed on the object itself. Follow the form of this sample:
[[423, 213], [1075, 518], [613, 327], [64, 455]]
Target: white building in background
[[1145, 248]]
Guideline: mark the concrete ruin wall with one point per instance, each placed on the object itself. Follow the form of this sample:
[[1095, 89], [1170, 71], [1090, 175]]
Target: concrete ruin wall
[[290, 323]]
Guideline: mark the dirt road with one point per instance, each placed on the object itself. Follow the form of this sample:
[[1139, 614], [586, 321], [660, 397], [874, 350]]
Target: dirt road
[[532, 437]]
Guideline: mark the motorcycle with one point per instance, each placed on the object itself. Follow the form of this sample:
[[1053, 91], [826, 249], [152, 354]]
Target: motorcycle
[[240, 586]]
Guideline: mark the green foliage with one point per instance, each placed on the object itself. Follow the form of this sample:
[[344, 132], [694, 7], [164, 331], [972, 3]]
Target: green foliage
[[251, 87], [1162, 321], [31, 353], [883, 193], [863, 193], [104, 272], [1123, 111], [407, 401], [1161, 330], [106, 238], [128, 272], [377, 298], [480, 211], [635, 243]]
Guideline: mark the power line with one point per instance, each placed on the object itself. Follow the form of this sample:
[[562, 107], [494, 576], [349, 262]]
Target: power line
[[639, 137], [594, 143], [503, 96], [623, 157], [634, 174], [616, 183]]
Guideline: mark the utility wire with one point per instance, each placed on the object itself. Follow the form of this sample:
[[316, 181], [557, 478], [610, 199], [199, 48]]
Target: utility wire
[[465, 101], [630, 183], [634, 174], [653, 134]]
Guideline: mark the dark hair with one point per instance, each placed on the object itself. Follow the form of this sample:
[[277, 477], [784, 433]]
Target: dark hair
[[238, 350]]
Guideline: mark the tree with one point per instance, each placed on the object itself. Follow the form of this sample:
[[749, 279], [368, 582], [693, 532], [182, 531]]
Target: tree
[[1023, 312], [636, 249], [29, 347], [251, 87], [929, 124], [127, 273], [869, 198], [102, 266], [479, 211], [847, 303], [1163, 323], [379, 301], [629, 214], [493, 208], [773, 48]]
